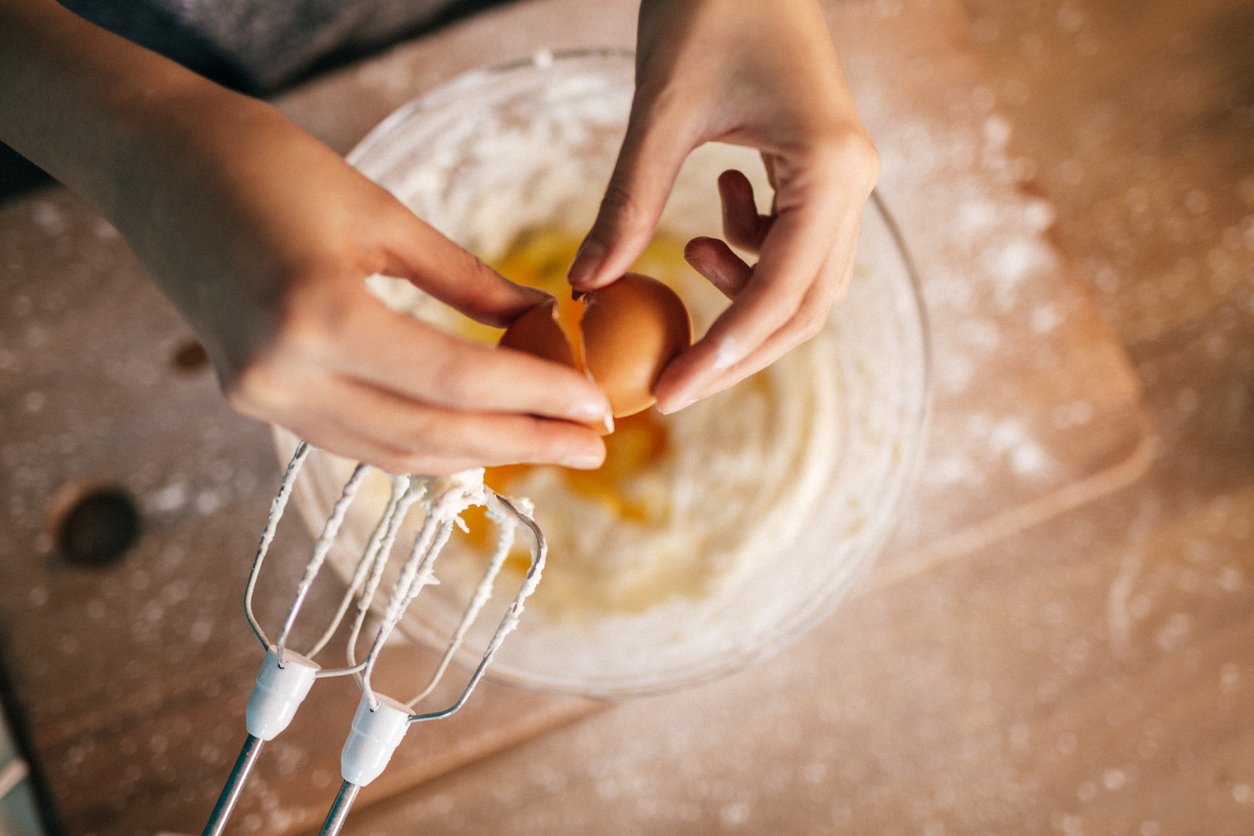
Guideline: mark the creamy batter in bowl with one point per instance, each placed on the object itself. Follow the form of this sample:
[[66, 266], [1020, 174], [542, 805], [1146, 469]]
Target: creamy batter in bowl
[[714, 535]]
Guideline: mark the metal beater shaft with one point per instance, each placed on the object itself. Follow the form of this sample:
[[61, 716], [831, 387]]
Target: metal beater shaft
[[339, 809], [234, 785]]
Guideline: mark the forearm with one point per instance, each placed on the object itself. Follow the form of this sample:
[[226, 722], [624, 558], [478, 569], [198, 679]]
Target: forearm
[[80, 102]]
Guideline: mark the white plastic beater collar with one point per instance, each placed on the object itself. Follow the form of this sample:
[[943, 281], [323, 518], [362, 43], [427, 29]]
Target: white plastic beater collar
[[282, 685], [376, 732]]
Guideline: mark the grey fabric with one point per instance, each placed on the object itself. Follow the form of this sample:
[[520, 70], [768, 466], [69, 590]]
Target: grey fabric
[[261, 45]]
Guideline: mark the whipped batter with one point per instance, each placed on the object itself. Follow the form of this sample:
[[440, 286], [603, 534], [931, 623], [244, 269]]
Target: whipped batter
[[739, 474]]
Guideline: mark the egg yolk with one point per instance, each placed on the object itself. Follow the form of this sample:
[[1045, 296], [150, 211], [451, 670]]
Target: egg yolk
[[569, 319], [540, 259]]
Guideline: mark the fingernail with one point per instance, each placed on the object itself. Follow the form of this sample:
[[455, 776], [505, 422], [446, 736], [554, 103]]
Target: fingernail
[[587, 260], [677, 403], [584, 461], [690, 251], [729, 354], [594, 411]]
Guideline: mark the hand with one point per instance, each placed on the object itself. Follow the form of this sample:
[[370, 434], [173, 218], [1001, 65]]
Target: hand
[[762, 75], [263, 237]]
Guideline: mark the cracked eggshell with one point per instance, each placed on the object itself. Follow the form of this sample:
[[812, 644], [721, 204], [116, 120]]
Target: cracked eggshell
[[626, 334], [539, 332], [631, 330]]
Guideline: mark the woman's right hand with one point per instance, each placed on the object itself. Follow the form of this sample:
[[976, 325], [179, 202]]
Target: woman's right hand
[[263, 237]]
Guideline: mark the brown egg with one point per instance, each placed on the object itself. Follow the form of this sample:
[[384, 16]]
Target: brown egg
[[539, 331], [621, 336]]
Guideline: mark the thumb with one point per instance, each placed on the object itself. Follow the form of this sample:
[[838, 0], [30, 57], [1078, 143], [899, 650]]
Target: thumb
[[652, 152]]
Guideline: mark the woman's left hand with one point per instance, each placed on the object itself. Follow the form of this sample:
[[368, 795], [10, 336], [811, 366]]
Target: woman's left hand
[[759, 74]]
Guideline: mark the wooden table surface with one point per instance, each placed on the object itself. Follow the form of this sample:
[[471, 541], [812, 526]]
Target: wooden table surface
[[1013, 666]]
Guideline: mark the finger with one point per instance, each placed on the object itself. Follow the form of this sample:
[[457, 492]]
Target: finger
[[792, 257], [742, 225], [653, 150], [399, 353], [811, 317], [844, 275], [768, 162], [418, 252], [424, 439], [714, 260], [335, 434], [343, 440]]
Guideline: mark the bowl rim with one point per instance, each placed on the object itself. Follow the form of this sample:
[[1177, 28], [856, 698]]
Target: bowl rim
[[918, 420], [538, 60]]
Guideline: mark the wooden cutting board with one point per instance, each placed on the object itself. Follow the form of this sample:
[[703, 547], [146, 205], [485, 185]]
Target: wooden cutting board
[[129, 681]]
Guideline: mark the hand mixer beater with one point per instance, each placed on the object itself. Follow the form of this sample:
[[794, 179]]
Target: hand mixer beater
[[380, 722]]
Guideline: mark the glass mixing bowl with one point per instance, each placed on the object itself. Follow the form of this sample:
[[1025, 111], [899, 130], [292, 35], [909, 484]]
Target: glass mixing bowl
[[726, 529]]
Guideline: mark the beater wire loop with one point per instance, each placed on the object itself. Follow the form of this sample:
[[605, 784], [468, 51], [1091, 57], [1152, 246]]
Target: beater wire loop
[[380, 722]]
